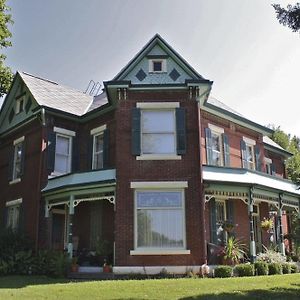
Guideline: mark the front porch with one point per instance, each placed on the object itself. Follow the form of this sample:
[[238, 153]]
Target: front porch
[[245, 198], [80, 215]]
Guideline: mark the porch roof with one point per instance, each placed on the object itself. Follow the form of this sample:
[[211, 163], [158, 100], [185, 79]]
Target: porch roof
[[77, 180], [250, 178]]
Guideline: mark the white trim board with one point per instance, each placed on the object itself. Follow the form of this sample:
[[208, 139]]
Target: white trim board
[[158, 184]]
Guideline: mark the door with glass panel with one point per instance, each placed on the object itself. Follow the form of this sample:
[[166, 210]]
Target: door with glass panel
[[220, 219]]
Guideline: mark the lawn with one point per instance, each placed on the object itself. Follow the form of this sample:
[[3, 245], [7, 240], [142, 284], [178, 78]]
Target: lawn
[[263, 287]]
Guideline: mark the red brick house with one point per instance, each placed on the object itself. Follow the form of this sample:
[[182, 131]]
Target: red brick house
[[153, 166]]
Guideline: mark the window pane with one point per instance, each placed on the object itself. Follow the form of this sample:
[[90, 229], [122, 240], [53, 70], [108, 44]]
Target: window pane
[[98, 161], [157, 66], [159, 199], [17, 160], [61, 164], [158, 143], [158, 121], [98, 143], [160, 228], [62, 145]]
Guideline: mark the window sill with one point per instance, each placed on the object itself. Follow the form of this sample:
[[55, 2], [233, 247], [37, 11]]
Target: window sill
[[17, 180], [160, 252], [158, 157]]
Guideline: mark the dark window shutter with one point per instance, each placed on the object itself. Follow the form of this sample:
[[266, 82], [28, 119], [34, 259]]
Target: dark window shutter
[[213, 221], [106, 149], [51, 151], [258, 161], [226, 150], [180, 130], [75, 154], [90, 146], [23, 159], [273, 169], [11, 158], [208, 146], [230, 211], [244, 155], [136, 131]]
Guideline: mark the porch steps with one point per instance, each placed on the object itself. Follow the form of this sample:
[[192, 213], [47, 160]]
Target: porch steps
[[91, 276]]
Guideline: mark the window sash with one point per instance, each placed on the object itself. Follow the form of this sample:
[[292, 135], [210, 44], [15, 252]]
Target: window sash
[[13, 214], [160, 221], [98, 151], [250, 156], [17, 160], [63, 154], [217, 149]]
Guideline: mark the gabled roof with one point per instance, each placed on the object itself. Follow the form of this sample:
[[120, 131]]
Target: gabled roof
[[271, 145], [158, 40], [53, 95]]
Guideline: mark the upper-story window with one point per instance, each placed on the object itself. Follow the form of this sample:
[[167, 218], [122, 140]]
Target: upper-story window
[[251, 154], [17, 163], [157, 65], [217, 146], [60, 151], [99, 147], [158, 131], [20, 105]]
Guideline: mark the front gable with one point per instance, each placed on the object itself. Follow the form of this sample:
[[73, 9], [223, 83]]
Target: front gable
[[175, 69], [17, 107]]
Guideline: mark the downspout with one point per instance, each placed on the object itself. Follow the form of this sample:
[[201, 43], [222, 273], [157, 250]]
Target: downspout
[[40, 169]]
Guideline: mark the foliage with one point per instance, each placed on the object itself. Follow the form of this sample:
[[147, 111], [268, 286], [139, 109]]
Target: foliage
[[289, 16], [234, 250], [261, 268], [294, 268], [271, 256], [5, 35], [103, 247], [275, 268], [267, 223], [286, 268], [244, 270], [223, 271]]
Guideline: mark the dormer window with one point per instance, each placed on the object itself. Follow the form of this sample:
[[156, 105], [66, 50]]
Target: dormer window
[[20, 105], [157, 66]]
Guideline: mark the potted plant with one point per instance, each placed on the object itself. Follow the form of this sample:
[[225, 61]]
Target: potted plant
[[267, 224], [228, 226], [106, 267], [233, 251], [74, 264]]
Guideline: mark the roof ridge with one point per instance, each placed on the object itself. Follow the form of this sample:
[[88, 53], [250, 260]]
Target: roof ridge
[[41, 78]]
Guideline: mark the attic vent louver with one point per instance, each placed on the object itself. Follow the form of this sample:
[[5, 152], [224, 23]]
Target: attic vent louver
[[141, 75]]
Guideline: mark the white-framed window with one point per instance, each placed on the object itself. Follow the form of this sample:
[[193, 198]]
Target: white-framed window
[[268, 163], [157, 65], [160, 222], [18, 158], [98, 147], [63, 154], [158, 128], [20, 105], [250, 152], [13, 214], [217, 158]]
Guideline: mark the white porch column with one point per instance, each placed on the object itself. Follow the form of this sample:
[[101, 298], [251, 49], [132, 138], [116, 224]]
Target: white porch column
[[281, 243], [252, 240], [70, 226]]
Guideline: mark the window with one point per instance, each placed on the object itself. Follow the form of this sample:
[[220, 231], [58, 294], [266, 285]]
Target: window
[[160, 220], [217, 146], [158, 132], [98, 151], [268, 163], [220, 219], [63, 152], [20, 105], [249, 151], [13, 214], [250, 157], [18, 159], [157, 66]]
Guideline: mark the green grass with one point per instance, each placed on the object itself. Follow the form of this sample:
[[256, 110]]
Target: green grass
[[261, 287]]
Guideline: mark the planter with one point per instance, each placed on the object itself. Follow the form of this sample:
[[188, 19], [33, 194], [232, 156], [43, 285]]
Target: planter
[[106, 268], [74, 268]]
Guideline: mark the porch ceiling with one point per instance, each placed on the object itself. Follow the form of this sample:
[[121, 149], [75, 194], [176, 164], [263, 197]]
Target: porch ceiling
[[249, 178], [80, 181]]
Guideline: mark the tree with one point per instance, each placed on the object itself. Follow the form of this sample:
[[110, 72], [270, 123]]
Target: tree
[[289, 16], [5, 35]]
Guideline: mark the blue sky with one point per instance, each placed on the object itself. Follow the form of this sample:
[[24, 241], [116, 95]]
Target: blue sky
[[252, 59]]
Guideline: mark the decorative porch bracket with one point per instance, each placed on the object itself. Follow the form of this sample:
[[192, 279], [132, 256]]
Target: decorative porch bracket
[[281, 242], [49, 206], [252, 240]]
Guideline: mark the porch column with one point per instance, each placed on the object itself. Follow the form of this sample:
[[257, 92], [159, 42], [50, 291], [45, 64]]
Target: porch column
[[70, 226], [252, 240], [281, 243]]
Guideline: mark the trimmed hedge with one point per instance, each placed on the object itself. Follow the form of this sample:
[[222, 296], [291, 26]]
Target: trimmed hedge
[[243, 270], [294, 268], [275, 268], [286, 268], [261, 268], [223, 271]]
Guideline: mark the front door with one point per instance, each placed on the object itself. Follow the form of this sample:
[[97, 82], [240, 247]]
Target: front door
[[58, 229], [257, 228]]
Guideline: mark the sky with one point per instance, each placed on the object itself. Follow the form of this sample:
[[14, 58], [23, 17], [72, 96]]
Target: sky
[[239, 44]]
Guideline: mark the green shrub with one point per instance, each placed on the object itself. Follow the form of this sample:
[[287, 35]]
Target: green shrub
[[275, 268], [261, 268], [271, 256], [223, 271], [244, 270], [294, 268], [58, 264], [286, 268]]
